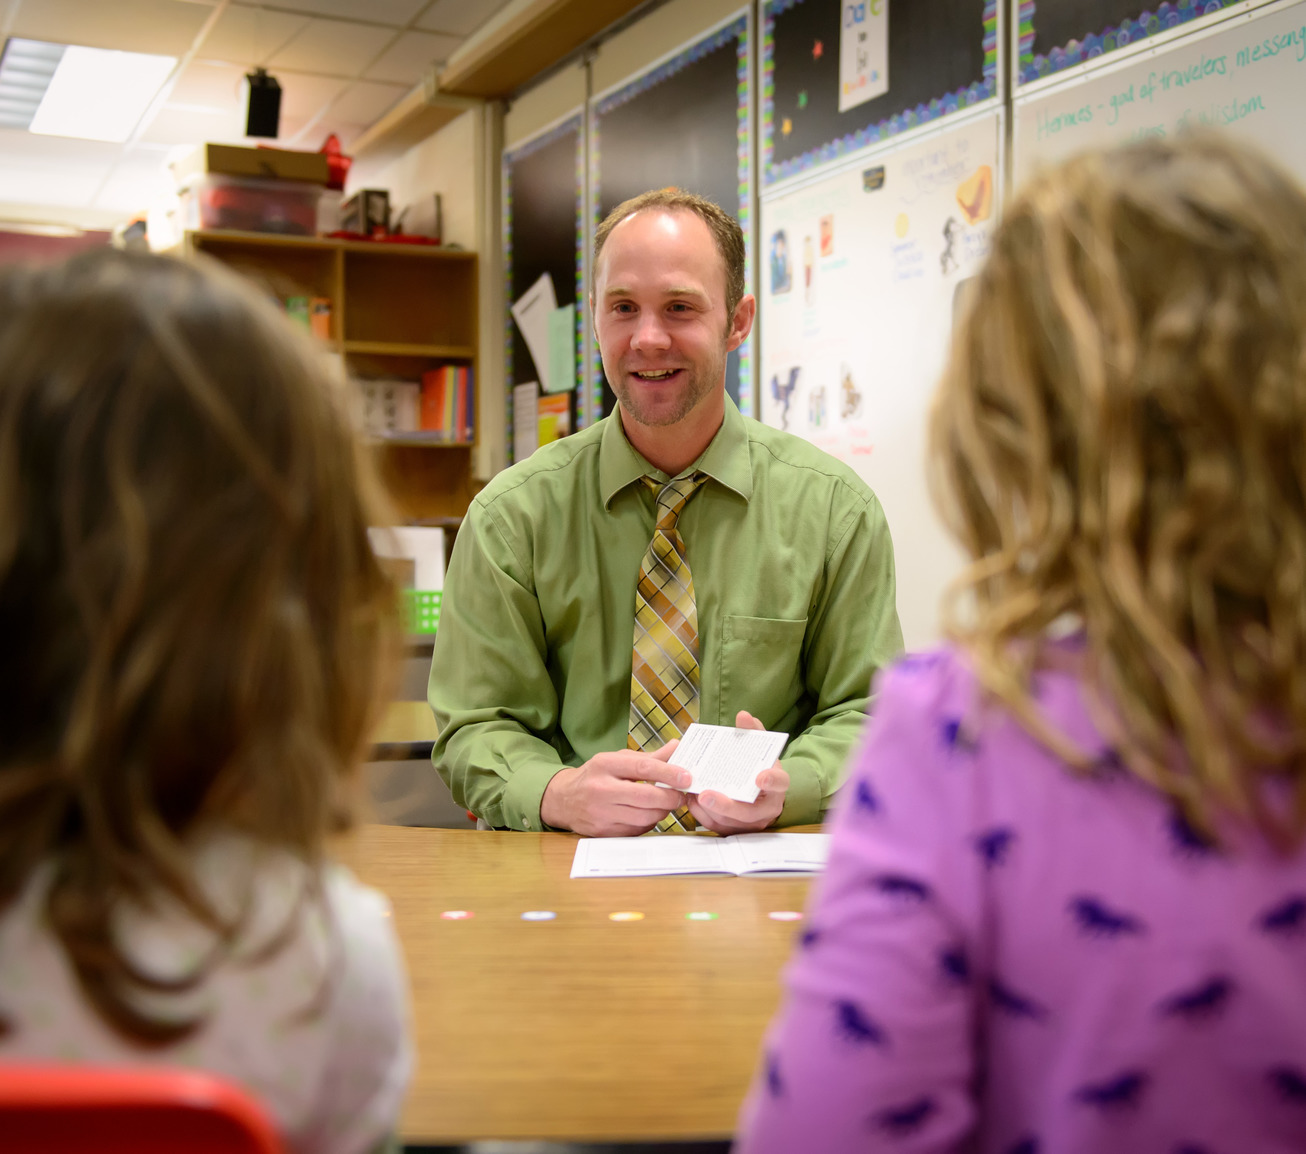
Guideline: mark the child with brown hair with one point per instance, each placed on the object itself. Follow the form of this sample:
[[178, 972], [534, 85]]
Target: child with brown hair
[[194, 631], [1065, 907]]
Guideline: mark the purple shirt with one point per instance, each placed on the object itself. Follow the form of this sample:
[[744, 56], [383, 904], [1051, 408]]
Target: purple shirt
[[1009, 957]]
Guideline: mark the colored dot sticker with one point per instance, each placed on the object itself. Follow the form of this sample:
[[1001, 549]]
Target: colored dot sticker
[[785, 916], [626, 916], [538, 916], [457, 915], [700, 916]]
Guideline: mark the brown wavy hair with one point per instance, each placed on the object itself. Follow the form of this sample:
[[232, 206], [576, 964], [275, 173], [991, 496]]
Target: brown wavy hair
[[195, 628], [1119, 440]]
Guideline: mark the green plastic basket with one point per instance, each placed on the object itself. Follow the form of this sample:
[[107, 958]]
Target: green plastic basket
[[422, 609]]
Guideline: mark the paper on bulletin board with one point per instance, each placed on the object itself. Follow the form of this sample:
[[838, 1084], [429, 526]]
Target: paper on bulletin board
[[532, 312], [555, 417], [525, 416], [562, 350], [863, 51]]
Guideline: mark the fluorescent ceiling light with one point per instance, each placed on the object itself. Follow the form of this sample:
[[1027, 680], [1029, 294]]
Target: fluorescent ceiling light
[[100, 95], [25, 71]]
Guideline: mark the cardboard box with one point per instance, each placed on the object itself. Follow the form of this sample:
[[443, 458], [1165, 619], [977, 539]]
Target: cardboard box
[[367, 211], [236, 160]]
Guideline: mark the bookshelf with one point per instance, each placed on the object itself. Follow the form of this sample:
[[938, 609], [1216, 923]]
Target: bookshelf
[[396, 311]]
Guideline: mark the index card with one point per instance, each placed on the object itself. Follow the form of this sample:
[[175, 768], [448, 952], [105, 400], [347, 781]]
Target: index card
[[727, 759]]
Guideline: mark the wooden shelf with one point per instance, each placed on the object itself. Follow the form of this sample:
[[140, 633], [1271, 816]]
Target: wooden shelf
[[399, 349], [396, 311]]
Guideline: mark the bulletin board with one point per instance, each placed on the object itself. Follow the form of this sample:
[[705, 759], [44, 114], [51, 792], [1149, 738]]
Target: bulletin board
[[1245, 73], [861, 274], [683, 122], [1057, 34], [942, 59], [543, 182]]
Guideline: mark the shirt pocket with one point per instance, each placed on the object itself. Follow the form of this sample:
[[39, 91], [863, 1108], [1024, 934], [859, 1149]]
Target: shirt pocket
[[761, 667]]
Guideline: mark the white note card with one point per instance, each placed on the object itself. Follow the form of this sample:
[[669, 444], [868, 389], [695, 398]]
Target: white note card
[[727, 759]]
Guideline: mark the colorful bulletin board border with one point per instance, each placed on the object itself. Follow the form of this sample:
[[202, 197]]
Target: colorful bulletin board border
[[900, 122], [575, 123], [736, 29], [1147, 23]]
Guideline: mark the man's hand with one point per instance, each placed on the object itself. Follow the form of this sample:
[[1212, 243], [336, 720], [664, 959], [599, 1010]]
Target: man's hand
[[612, 794], [723, 815]]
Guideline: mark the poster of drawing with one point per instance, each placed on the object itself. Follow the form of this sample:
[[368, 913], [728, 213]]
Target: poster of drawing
[[863, 51], [851, 353]]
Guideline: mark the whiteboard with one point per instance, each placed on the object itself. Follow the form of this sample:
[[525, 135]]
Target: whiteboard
[[859, 275], [1246, 73]]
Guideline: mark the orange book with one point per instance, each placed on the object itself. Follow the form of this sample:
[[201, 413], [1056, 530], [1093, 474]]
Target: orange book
[[432, 404]]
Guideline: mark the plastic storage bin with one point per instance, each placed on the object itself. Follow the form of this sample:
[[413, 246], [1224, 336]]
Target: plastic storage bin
[[250, 204]]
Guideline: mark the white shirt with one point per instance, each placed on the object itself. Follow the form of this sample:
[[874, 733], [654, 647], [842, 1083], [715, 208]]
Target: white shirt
[[318, 1032]]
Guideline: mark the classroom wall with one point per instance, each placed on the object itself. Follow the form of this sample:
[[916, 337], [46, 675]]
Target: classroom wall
[[443, 163], [540, 106]]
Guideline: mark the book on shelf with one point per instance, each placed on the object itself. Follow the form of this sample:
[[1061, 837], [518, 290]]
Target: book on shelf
[[390, 407], [448, 403]]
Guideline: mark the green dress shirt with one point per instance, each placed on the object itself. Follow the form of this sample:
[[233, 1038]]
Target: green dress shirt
[[793, 582]]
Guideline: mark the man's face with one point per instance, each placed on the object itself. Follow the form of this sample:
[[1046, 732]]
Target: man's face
[[660, 315]]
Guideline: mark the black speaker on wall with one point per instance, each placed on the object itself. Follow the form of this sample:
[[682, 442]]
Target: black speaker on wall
[[262, 104]]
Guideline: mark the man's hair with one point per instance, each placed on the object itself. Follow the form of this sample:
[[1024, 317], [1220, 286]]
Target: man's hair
[[196, 631], [725, 230], [1118, 437]]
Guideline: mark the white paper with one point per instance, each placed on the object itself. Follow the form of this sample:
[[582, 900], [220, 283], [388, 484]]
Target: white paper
[[423, 545], [863, 51], [727, 759], [525, 420], [532, 312], [671, 854]]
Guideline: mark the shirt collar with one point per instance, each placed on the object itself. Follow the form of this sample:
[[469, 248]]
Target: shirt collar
[[726, 459]]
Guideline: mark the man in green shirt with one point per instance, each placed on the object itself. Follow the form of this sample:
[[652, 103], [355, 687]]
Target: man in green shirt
[[792, 570]]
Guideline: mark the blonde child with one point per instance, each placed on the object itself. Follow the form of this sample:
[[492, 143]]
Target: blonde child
[[193, 633], [1066, 904]]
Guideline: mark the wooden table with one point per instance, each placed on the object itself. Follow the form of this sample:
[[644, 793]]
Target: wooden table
[[579, 1028]]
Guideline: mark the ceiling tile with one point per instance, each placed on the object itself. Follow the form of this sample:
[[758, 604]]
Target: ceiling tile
[[52, 170], [333, 48], [306, 96], [166, 27], [250, 35], [396, 13], [208, 84], [363, 103], [407, 60], [137, 181], [191, 125], [459, 17]]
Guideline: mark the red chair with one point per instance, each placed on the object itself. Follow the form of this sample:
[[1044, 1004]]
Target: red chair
[[125, 1110]]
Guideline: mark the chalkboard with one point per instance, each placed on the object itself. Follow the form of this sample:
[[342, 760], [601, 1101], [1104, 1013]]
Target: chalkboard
[[942, 58], [543, 222], [1244, 73], [1059, 34], [683, 123], [864, 267]]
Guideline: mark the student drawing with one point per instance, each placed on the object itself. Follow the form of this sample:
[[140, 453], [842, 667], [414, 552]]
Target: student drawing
[[850, 404], [196, 634], [781, 275], [783, 394], [809, 287], [816, 407], [948, 261], [1066, 895]]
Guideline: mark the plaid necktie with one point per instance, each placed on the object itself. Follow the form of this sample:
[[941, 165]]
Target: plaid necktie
[[664, 666]]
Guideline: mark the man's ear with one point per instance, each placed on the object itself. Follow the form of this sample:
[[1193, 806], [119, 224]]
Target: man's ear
[[741, 324]]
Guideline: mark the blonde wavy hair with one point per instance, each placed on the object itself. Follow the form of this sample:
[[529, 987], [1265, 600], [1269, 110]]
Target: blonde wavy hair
[[1119, 440], [195, 629]]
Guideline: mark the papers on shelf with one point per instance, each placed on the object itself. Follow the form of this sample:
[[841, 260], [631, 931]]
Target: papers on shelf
[[727, 759], [759, 854]]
